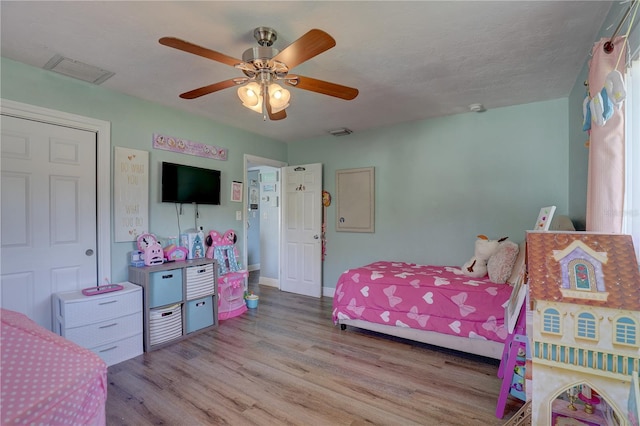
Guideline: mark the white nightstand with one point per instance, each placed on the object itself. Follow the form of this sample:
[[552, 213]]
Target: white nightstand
[[110, 324]]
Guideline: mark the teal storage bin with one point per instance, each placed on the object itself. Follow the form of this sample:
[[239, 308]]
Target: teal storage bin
[[199, 313], [165, 287]]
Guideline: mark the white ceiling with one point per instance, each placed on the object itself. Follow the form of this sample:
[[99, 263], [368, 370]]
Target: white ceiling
[[410, 60]]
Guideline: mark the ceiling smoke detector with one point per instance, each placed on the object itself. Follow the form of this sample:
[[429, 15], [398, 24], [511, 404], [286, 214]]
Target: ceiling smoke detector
[[341, 132], [477, 108]]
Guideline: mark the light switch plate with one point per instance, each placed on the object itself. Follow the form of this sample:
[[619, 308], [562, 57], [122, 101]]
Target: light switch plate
[[238, 215]]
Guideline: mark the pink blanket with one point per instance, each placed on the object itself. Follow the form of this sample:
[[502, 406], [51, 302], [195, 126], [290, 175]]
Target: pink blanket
[[46, 379], [423, 297]]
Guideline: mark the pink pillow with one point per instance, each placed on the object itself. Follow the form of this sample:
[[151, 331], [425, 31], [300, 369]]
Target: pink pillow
[[500, 264]]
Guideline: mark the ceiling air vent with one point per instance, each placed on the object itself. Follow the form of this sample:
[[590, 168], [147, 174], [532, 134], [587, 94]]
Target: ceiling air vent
[[341, 132], [76, 69]]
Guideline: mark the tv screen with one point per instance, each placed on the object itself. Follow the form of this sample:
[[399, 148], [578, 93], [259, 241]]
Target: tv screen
[[188, 184]]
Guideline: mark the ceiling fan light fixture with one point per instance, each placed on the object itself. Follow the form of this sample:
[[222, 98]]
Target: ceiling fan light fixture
[[263, 66], [250, 96], [278, 97]]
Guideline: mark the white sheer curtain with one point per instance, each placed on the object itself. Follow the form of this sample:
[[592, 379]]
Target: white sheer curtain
[[631, 216]]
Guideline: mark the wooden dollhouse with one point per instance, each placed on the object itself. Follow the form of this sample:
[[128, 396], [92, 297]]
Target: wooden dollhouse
[[584, 292]]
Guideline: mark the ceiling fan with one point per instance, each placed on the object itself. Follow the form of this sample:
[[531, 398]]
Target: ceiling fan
[[264, 67]]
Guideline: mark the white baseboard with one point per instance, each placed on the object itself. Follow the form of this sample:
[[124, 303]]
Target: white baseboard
[[274, 282], [271, 282], [254, 267]]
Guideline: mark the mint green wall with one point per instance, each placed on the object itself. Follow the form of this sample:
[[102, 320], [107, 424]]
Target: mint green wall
[[133, 121], [578, 152], [440, 182]]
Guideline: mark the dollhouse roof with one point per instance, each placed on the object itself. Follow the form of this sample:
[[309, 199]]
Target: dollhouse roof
[[545, 251]]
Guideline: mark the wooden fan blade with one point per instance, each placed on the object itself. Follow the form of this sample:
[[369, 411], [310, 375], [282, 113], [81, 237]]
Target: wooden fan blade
[[276, 116], [196, 93], [185, 46], [306, 47], [320, 86]]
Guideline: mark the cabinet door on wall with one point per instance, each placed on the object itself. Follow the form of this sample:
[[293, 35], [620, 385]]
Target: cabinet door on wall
[[355, 200]]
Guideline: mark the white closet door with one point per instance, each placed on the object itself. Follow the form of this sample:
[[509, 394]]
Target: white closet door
[[48, 214]]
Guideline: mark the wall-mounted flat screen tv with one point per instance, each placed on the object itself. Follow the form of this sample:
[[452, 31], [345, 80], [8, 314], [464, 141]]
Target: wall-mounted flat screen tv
[[188, 184]]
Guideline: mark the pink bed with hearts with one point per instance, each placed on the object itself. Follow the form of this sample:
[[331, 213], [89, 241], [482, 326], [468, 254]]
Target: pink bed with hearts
[[423, 297]]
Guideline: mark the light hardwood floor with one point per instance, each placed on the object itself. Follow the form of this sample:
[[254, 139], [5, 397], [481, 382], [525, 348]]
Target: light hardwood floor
[[286, 363]]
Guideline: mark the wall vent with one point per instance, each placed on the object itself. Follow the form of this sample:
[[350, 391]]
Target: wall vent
[[341, 132], [78, 70]]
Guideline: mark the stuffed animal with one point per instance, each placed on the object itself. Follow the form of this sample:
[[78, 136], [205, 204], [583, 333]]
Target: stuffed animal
[[476, 267]]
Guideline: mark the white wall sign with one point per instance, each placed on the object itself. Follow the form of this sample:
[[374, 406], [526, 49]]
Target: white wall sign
[[131, 193]]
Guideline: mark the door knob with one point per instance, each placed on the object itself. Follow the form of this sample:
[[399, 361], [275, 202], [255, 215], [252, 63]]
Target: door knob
[[315, 237], [89, 252]]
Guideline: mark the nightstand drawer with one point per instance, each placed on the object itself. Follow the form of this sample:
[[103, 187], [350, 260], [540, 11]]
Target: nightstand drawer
[[91, 309], [121, 350], [107, 331]]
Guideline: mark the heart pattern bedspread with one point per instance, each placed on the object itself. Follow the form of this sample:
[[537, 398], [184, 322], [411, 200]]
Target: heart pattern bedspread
[[424, 297]]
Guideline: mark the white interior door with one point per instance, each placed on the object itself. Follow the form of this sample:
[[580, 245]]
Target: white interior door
[[301, 228], [49, 238]]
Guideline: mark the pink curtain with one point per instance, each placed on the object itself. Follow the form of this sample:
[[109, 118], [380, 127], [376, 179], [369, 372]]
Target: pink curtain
[[605, 186]]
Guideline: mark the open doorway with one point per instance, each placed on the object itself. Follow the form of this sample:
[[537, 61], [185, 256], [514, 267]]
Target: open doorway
[[262, 208]]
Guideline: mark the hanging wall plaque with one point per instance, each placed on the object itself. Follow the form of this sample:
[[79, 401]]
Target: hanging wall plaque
[[184, 146], [131, 193]]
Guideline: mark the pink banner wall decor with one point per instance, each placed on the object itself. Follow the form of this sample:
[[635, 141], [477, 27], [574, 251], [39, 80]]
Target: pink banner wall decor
[[605, 186], [184, 146]]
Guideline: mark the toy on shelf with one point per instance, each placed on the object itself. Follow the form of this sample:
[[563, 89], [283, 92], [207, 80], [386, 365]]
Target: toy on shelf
[[231, 277], [174, 252], [194, 243], [151, 248]]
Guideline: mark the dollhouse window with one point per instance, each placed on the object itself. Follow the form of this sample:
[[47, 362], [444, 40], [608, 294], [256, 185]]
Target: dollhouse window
[[551, 321], [582, 275], [626, 331], [586, 326]]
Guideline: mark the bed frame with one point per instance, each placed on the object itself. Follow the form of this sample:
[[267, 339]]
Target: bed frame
[[486, 348]]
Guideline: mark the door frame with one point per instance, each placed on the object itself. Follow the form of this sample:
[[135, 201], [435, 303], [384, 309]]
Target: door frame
[[261, 161], [102, 129]]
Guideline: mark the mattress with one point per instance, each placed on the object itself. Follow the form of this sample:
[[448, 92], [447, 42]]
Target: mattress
[[47, 379], [423, 297]]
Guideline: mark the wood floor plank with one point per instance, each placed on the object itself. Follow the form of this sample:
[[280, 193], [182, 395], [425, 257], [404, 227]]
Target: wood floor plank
[[286, 363]]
